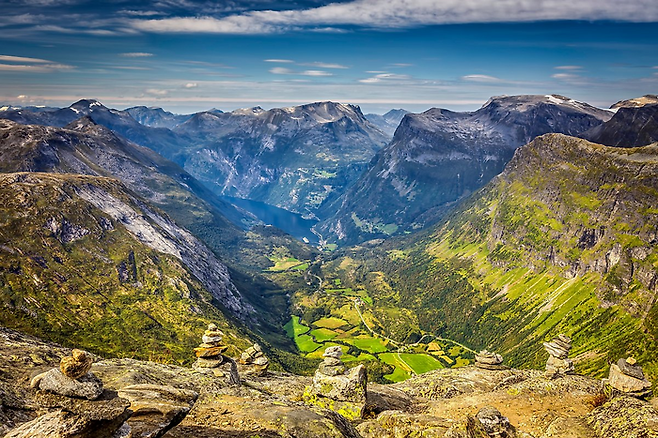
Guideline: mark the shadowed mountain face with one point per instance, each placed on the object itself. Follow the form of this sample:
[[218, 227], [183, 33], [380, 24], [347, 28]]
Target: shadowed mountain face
[[388, 122], [438, 157], [156, 117], [295, 158], [631, 126]]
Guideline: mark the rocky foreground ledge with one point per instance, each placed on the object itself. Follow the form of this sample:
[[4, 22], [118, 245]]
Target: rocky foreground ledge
[[146, 399]]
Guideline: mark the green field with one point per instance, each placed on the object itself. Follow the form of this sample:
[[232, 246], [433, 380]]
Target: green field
[[323, 334], [306, 344], [330, 323], [369, 344], [421, 363], [294, 327], [285, 263]]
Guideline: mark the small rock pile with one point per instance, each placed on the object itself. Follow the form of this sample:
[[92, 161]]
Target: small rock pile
[[489, 361], [558, 360], [336, 388], [627, 377], [256, 361], [72, 379], [489, 422], [332, 364], [209, 352]]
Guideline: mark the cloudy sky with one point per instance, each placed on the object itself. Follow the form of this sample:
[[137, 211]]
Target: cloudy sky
[[190, 55]]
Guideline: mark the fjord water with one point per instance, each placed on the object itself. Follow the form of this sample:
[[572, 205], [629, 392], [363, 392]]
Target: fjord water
[[292, 223]]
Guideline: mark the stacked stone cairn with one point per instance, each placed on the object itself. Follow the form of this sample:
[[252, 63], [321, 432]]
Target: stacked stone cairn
[[209, 353], [489, 361], [72, 378], [255, 360], [558, 363], [337, 388], [627, 377]]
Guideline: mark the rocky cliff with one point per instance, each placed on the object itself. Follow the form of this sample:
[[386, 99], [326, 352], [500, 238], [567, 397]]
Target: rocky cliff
[[631, 126], [439, 157]]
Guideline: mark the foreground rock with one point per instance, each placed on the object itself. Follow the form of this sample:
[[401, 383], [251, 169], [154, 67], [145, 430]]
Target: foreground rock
[[255, 360], [626, 377], [73, 418], [489, 361], [71, 379], [336, 389]]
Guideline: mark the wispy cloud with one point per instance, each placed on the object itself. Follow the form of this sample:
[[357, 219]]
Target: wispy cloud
[[191, 85], [325, 65], [30, 65], [383, 77], [281, 71], [136, 55], [405, 13], [157, 92], [569, 67], [288, 71], [481, 78], [316, 73], [280, 61]]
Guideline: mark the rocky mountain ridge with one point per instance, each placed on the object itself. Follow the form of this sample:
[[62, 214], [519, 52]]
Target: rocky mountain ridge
[[389, 121], [439, 157]]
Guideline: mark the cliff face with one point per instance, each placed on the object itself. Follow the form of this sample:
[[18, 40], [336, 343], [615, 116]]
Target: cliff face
[[439, 157], [631, 126], [86, 262]]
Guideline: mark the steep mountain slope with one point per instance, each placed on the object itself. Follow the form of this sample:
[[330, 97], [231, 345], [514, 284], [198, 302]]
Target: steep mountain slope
[[120, 122], [565, 240], [85, 262], [388, 122], [294, 158], [631, 126], [438, 157], [156, 117]]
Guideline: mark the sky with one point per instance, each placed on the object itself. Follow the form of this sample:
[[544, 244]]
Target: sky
[[189, 55]]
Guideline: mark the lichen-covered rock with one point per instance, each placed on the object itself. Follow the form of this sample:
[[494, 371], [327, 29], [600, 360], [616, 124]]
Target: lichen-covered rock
[[255, 360], [494, 423], [156, 408], [489, 361], [76, 365], [88, 386], [624, 417], [556, 366], [394, 424], [345, 393]]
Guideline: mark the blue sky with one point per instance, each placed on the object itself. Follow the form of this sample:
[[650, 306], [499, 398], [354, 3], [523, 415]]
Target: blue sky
[[186, 55]]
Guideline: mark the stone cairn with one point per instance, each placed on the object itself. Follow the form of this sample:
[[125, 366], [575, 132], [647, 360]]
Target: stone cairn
[[210, 358], [627, 377], [489, 361], [255, 360], [336, 388], [209, 352], [72, 378], [558, 360]]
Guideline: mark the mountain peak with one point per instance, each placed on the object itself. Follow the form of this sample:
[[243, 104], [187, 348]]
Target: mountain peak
[[87, 105], [636, 102]]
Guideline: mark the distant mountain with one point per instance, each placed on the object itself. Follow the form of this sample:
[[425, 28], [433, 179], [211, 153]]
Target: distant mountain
[[295, 158], [388, 122], [563, 241], [438, 157], [647, 99], [632, 125], [120, 122], [156, 117]]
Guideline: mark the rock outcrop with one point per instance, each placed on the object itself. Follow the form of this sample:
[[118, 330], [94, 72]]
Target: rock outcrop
[[626, 377], [335, 388], [558, 357]]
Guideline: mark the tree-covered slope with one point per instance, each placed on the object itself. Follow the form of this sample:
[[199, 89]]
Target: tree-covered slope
[[565, 240]]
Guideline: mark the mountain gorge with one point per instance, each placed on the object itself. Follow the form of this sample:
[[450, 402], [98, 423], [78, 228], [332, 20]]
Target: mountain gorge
[[439, 157]]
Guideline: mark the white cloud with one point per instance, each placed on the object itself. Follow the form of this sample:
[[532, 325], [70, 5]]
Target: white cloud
[[564, 76], [326, 65], [406, 13], [481, 78], [569, 67], [191, 85], [316, 73], [35, 68], [281, 61], [282, 71], [10, 58], [156, 92], [382, 77], [136, 55]]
